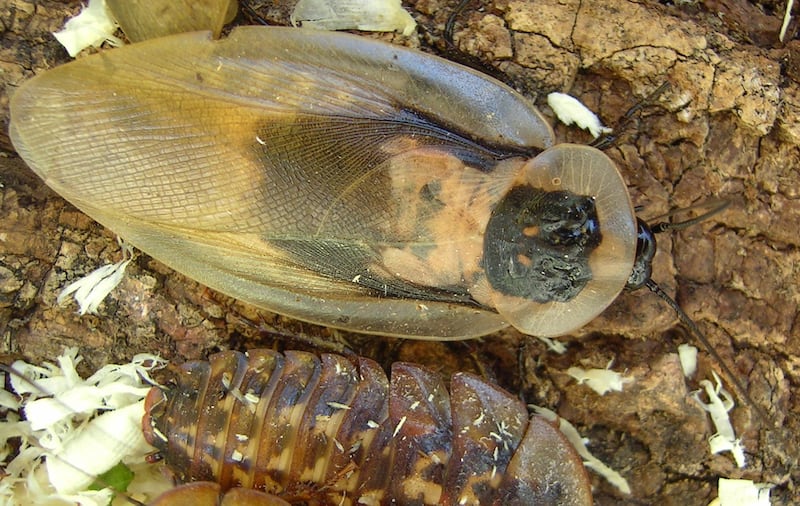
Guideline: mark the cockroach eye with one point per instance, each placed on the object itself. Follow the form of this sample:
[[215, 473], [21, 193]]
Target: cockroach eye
[[645, 251]]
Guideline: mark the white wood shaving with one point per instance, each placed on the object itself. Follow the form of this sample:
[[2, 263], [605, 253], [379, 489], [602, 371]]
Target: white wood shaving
[[741, 493], [93, 26], [787, 17], [569, 110], [97, 447], [589, 460], [687, 354], [601, 381], [90, 290], [720, 402], [368, 15], [64, 428], [553, 345]]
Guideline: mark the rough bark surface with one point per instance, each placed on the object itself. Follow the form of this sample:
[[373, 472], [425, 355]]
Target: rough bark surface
[[729, 126]]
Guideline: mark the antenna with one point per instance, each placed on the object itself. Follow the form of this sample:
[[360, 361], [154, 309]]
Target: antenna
[[611, 138], [703, 340], [645, 251]]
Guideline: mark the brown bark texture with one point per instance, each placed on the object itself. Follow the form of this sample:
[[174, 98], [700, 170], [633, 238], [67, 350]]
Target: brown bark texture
[[728, 126]]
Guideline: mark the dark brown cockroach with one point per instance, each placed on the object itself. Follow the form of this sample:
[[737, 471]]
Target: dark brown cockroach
[[325, 430]]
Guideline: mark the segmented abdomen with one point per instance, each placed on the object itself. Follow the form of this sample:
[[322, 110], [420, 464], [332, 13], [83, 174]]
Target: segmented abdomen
[[326, 430]]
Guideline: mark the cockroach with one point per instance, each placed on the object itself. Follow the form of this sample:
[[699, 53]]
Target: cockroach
[[325, 430], [270, 428], [335, 179]]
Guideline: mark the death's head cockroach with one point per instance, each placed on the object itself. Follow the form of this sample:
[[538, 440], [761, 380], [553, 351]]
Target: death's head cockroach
[[335, 179], [325, 430]]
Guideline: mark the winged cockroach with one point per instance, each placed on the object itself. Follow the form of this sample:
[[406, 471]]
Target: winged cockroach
[[338, 180]]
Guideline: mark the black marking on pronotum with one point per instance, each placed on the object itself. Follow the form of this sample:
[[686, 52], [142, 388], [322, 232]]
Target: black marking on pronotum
[[538, 244]]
